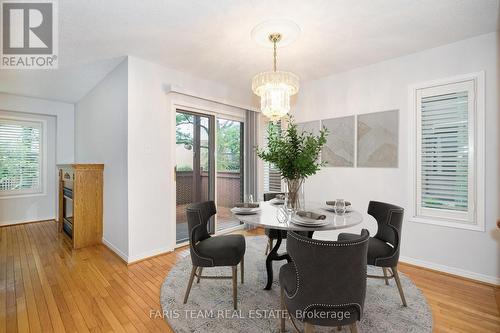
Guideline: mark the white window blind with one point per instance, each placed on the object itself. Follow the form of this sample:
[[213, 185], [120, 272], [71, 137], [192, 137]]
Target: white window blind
[[272, 176], [445, 152], [20, 157]]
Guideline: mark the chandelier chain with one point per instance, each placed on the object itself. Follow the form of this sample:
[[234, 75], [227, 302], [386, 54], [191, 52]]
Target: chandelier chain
[[275, 56], [275, 38]]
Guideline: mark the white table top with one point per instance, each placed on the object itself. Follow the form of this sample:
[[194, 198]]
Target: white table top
[[268, 218]]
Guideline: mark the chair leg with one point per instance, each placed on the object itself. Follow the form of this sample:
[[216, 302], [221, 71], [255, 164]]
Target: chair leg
[[242, 267], [282, 319], [191, 278], [309, 328], [199, 275], [398, 283], [354, 328], [385, 276], [235, 287]]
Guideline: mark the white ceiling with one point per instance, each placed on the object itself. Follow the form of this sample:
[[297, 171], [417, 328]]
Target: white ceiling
[[211, 39], [68, 83]]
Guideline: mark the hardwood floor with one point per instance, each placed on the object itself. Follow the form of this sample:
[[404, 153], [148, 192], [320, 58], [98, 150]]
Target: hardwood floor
[[45, 286]]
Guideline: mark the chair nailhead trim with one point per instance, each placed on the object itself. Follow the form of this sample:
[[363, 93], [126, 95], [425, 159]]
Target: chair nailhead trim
[[297, 276], [397, 235], [336, 306], [314, 243], [334, 244], [194, 250]]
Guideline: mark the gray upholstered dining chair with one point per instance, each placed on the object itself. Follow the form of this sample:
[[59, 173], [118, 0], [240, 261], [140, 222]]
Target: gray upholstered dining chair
[[272, 234], [325, 282], [208, 251], [383, 248]]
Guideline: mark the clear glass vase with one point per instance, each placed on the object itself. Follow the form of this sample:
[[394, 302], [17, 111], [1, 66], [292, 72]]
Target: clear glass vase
[[294, 195]]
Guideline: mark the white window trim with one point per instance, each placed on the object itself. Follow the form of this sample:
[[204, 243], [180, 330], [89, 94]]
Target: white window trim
[[42, 190], [478, 149]]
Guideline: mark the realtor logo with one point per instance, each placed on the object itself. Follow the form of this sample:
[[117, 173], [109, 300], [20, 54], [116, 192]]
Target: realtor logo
[[29, 34]]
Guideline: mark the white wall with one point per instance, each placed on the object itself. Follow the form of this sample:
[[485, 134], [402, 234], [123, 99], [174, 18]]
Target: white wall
[[60, 149], [384, 86], [64, 113], [101, 137], [151, 150]]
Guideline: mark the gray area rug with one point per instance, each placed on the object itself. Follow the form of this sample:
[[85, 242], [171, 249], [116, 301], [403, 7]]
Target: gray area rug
[[210, 309]]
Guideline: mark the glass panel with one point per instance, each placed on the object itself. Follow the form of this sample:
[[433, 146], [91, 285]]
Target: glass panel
[[193, 166], [204, 159], [20, 156], [445, 152], [229, 170]]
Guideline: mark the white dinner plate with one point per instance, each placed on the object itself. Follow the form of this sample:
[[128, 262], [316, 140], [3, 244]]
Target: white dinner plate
[[332, 209], [245, 211], [276, 201], [307, 222]]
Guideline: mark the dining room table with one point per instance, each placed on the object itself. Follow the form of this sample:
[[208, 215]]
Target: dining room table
[[273, 216]]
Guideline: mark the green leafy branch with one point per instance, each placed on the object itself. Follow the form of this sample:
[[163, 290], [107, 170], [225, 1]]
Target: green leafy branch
[[295, 153]]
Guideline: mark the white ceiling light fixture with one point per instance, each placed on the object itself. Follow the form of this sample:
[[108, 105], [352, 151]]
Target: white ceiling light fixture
[[275, 87]]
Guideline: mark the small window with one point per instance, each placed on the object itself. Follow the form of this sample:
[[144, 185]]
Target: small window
[[446, 154], [272, 176], [20, 157]]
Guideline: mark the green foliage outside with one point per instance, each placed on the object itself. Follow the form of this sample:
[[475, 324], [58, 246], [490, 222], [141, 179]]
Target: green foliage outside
[[228, 142], [228, 145], [184, 168], [19, 157], [182, 137]]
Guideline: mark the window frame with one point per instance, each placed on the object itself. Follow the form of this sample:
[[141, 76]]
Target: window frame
[[473, 219], [41, 190], [268, 166]]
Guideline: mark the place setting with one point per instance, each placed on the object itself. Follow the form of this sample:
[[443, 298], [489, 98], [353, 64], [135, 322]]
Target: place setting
[[338, 206], [313, 217], [309, 219], [249, 207], [278, 200]]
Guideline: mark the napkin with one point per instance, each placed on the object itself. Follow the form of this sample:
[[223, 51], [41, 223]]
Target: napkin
[[246, 205], [311, 215], [332, 203]]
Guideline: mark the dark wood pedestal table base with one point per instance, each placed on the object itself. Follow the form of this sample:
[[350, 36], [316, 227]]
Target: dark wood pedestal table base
[[268, 218]]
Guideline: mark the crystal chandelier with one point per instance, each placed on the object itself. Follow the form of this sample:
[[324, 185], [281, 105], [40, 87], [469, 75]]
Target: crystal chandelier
[[275, 88]]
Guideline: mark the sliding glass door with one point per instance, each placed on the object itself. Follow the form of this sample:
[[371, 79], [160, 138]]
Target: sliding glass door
[[195, 167], [229, 170], [199, 138]]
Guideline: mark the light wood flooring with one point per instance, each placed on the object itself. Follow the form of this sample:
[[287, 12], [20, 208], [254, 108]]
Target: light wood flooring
[[45, 286]]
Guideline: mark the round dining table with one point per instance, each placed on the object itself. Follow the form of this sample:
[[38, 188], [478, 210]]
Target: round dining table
[[271, 216]]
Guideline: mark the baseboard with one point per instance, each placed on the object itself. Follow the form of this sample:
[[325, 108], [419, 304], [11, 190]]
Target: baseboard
[[137, 258], [17, 222], [148, 254], [114, 249], [493, 280]]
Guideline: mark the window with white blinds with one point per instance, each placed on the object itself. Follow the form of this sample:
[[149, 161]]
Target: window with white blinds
[[272, 176], [20, 157], [445, 170]]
